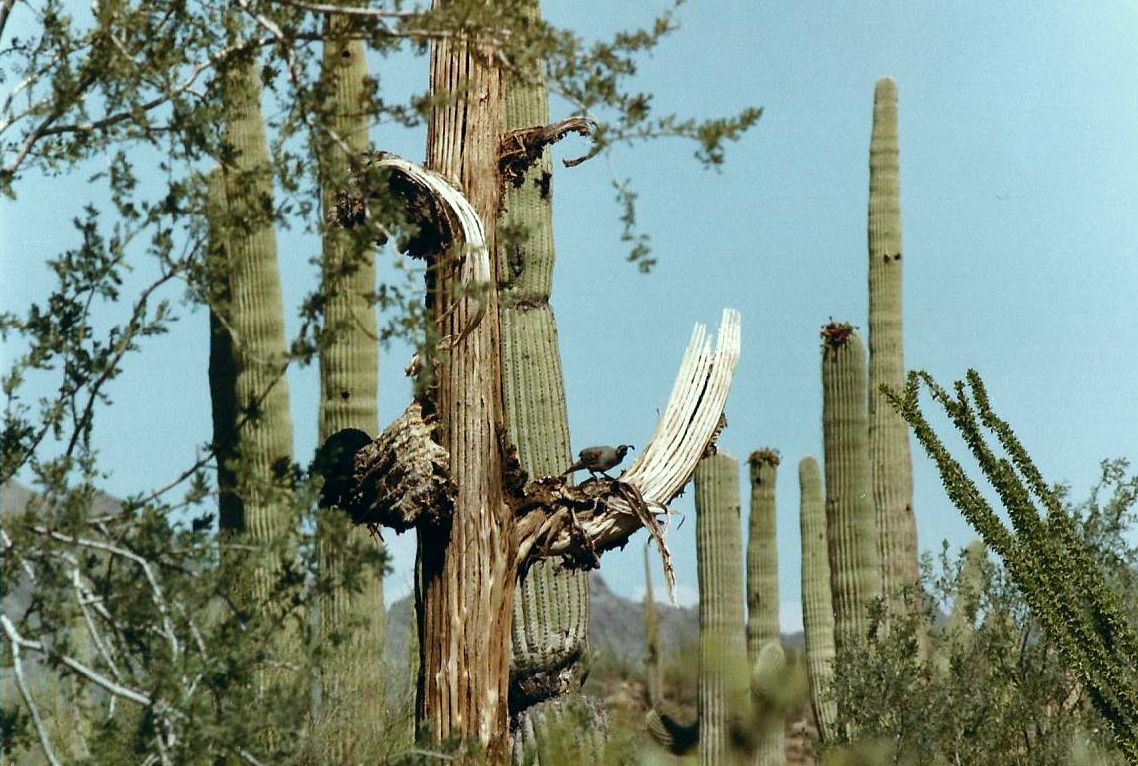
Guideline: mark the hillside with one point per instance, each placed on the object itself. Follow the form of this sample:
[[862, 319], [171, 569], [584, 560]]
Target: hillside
[[616, 627]]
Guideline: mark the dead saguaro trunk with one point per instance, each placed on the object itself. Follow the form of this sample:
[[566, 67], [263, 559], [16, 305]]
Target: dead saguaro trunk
[[446, 469], [466, 570]]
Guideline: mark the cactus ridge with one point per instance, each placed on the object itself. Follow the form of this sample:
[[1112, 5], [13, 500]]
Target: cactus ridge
[[256, 315], [349, 390], [762, 590], [851, 530], [817, 607], [724, 692]]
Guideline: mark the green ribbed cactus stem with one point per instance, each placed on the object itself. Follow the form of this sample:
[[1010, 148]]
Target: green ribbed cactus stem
[[851, 531], [762, 586], [767, 669], [892, 462], [651, 635], [724, 683], [264, 459], [222, 365], [354, 683], [959, 628], [762, 554], [256, 319], [675, 737], [551, 604], [817, 606]]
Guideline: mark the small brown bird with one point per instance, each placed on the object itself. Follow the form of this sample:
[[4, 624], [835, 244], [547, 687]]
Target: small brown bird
[[599, 459]]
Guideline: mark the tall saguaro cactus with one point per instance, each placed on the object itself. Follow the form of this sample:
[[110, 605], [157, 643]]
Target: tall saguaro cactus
[[723, 679], [762, 588], [851, 532], [888, 434], [762, 554], [817, 606], [255, 317], [348, 386], [551, 605]]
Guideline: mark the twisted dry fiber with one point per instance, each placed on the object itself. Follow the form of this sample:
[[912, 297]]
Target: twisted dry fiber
[[554, 522], [466, 570]]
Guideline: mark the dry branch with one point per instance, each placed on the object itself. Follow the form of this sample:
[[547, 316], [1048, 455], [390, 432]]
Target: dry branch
[[521, 148]]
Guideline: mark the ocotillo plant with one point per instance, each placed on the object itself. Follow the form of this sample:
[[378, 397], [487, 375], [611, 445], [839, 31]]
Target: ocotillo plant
[[348, 395], [851, 534], [724, 709], [256, 318], [762, 588], [1044, 554], [817, 606], [892, 462], [551, 603]]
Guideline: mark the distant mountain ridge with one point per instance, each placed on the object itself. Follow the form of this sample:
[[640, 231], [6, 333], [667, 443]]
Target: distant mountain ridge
[[616, 626]]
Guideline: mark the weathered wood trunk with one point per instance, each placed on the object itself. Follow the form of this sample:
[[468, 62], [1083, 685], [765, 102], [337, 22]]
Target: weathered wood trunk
[[466, 570]]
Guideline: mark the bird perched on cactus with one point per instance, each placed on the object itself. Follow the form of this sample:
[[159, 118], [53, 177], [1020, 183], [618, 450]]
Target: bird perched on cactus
[[599, 459]]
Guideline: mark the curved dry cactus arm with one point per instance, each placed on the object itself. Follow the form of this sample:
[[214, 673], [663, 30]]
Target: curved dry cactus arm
[[462, 218], [691, 422]]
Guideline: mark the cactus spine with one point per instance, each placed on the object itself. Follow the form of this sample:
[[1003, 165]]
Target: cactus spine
[[762, 589], [817, 607], [551, 604], [349, 389], [256, 318], [851, 533], [888, 435], [723, 681]]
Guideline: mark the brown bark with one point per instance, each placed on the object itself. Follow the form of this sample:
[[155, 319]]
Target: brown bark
[[466, 570]]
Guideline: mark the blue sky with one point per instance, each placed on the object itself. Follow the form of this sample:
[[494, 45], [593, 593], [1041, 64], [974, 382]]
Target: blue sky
[[1019, 186]]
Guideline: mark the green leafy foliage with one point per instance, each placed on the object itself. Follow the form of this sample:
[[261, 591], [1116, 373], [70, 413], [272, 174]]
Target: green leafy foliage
[[130, 641], [1007, 694]]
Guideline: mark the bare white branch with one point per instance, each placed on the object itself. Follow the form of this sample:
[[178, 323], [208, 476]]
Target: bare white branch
[[84, 599], [157, 594], [18, 670]]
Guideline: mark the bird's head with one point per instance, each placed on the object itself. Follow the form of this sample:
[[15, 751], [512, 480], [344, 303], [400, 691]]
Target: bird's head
[[623, 449]]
